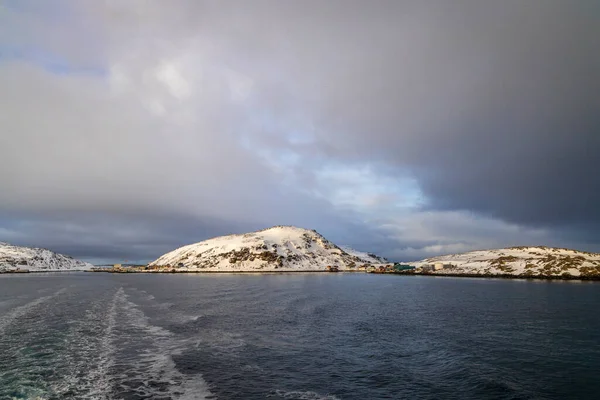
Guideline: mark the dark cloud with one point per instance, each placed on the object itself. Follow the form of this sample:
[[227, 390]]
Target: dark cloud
[[140, 236], [403, 127], [492, 107], [113, 236]]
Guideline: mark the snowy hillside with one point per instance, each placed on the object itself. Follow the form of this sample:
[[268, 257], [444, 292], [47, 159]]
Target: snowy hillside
[[519, 261], [33, 259], [366, 257], [280, 248]]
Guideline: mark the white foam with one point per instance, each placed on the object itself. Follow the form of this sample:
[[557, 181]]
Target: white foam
[[32, 398], [99, 367], [19, 312], [112, 348], [222, 342], [90, 358], [304, 395], [155, 363], [100, 376]]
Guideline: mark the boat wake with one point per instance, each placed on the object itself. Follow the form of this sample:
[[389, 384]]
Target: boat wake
[[105, 348], [20, 312], [146, 368], [300, 395], [91, 351]]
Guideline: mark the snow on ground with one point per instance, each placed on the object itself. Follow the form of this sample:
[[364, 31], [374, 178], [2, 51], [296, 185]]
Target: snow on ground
[[280, 248], [519, 261], [366, 257], [34, 259]]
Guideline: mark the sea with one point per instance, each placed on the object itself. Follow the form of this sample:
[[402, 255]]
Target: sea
[[312, 336]]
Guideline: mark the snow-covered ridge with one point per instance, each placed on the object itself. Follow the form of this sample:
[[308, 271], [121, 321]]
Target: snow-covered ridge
[[519, 261], [34, 259], [280, 248], [366, 257]]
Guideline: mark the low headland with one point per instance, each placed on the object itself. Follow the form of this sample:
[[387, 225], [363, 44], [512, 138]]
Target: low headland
[[288, 249]]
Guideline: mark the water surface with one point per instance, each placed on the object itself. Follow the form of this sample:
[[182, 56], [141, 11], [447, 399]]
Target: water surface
[[296, 336]]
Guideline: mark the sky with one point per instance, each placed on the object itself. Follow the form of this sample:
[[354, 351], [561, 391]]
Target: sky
[[407, 128]]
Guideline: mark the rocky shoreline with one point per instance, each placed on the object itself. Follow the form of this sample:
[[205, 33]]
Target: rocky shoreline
[[443, 275], [215, 272], [498, 276], [408, 273]]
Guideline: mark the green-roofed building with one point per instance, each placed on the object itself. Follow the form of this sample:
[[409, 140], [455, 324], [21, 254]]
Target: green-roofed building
[[403, 267]]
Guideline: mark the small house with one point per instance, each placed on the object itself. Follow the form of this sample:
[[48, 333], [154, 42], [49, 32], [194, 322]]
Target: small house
[[403, 267]]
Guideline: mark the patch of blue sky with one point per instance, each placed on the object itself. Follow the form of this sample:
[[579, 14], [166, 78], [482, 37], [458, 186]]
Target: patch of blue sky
[[51, 9], [365, 189], [22, 41], [360, 187], [49, 62], [278, 158], [300, 137]]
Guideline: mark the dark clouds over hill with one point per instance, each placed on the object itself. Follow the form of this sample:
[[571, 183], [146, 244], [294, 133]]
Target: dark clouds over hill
[[406, 128]]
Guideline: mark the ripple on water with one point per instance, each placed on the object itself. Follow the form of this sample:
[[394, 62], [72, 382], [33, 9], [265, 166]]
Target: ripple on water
[[105, 348], [144, 365], [303, 338], [301, 395]]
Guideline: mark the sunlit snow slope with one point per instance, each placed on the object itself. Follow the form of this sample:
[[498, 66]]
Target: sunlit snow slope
[[280, 248], [520, 261]]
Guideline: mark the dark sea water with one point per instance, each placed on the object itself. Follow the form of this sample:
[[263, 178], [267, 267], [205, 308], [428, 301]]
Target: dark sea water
[[296, 336]]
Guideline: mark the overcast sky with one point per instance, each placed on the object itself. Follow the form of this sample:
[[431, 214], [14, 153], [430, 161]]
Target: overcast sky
[[405, 128]]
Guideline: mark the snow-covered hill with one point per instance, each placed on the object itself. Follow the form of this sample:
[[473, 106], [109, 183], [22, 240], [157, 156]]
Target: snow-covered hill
[[34, 259], [519, 261], [366, 257], [280, 248]]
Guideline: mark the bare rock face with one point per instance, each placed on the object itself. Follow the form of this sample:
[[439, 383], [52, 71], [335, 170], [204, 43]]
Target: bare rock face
[[33, 259], [280, 248]]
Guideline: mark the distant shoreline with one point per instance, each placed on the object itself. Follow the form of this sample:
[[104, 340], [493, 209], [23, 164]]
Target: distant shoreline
[[174, 272], [501, 276], [225, 272], [444, 275]]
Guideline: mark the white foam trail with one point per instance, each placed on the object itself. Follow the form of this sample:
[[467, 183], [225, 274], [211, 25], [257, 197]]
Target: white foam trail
[[19, 312], [155, 362], [115, 351], [300, 395], [32, 398], [100, 375], [222, 342], [91, 355]]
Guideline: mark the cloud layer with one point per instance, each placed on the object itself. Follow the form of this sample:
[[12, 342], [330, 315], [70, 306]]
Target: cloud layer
[[409, 128]]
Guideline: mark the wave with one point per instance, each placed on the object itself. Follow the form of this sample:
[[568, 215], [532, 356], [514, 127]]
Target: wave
[[84, 364], [17, 313], [301, 395], [27, 348], [115, 352], [147, 369]]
